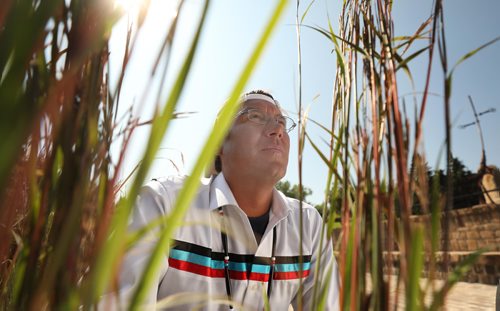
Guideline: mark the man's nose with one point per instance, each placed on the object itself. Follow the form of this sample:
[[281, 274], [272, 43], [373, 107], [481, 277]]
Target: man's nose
[[275, 128]]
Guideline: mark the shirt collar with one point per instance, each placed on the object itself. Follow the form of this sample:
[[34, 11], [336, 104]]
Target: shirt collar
[[280, 207], [220, 195]]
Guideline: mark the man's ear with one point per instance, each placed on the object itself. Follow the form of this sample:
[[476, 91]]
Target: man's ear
[[216, 166]]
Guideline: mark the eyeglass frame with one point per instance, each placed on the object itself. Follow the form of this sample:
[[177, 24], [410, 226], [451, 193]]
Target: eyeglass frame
[[268, 118]]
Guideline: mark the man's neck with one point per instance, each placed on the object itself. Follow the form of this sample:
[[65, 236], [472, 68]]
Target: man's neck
[[253, 198]]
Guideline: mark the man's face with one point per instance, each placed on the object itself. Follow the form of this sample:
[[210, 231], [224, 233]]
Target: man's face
[[254, 150]]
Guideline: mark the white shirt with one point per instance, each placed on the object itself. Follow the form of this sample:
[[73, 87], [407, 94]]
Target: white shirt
[[192, 273]]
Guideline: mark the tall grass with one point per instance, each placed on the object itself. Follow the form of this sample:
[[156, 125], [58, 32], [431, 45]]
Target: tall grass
[[62, 224], [375, 167], [62, 231]]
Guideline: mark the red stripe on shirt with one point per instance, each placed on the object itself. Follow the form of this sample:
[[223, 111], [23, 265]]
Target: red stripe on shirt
[[290, 275], [235, 275], [194, 268], [254, 276]]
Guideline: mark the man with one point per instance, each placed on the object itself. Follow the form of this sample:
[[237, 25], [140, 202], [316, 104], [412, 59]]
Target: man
[[240, 241]]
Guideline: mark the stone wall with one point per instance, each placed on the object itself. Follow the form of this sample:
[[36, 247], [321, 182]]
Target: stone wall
[[471, 229], [486, 269]]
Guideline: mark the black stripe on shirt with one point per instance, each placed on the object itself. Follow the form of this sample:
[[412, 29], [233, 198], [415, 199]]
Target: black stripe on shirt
[[207, 252]]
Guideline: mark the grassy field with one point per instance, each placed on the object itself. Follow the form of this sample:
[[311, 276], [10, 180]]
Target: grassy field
[[62, 222]]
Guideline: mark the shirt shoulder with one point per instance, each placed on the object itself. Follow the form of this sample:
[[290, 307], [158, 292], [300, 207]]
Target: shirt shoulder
[[311, 226], [166, 189], [294, 206], [166, 183], [311, 216], [170, 184]]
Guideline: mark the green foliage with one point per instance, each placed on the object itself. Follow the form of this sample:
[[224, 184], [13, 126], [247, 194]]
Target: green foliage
[[293, 191], [370, 185], [465, 184], [224, 121], [63, 234], [54, 110]]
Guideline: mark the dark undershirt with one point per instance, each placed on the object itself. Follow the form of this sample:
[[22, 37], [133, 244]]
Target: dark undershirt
[[259, 225]]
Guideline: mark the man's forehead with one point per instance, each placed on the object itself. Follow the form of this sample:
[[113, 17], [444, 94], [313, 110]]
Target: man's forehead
[[262, 102], [262, 105]]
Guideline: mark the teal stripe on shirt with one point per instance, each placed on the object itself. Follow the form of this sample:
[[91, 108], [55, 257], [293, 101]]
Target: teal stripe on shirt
[[292, 267], [235, 266], [261, 268], [196, 259]]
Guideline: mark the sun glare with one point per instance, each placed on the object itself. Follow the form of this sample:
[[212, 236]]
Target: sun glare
[[132, 7], [129, 6]]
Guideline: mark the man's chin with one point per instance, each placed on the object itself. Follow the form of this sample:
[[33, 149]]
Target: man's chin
[[279, 174], [269, 174]]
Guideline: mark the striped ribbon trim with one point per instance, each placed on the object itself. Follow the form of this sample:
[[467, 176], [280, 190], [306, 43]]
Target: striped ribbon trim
[[202, 261]]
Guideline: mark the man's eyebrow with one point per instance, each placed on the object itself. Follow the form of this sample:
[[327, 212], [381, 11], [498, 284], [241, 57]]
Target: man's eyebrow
[[262, 109]]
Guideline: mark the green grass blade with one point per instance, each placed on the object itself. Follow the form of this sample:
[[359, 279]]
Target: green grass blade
[[111, 250], [350, 265], [324, 291], [331, 37], [307, 10], [323, 157], [472, 53], [409, 40], [403, 62], [211, 146], [413, 291], [458, 273]]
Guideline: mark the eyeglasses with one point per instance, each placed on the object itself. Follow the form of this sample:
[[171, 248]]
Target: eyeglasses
[[259, 117]]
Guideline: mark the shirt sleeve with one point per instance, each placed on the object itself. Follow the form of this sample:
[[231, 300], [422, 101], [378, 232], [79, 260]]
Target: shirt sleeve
[[151, 204], [327, 272]]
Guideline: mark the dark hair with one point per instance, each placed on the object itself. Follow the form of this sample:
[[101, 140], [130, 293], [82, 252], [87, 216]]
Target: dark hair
[[218, 164], [261, 92]]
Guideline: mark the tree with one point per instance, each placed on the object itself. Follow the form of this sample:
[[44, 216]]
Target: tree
[[293, 191], [466, 192]]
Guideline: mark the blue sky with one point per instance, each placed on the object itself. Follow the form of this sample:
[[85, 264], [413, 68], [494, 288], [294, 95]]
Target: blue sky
[[231, 31]]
